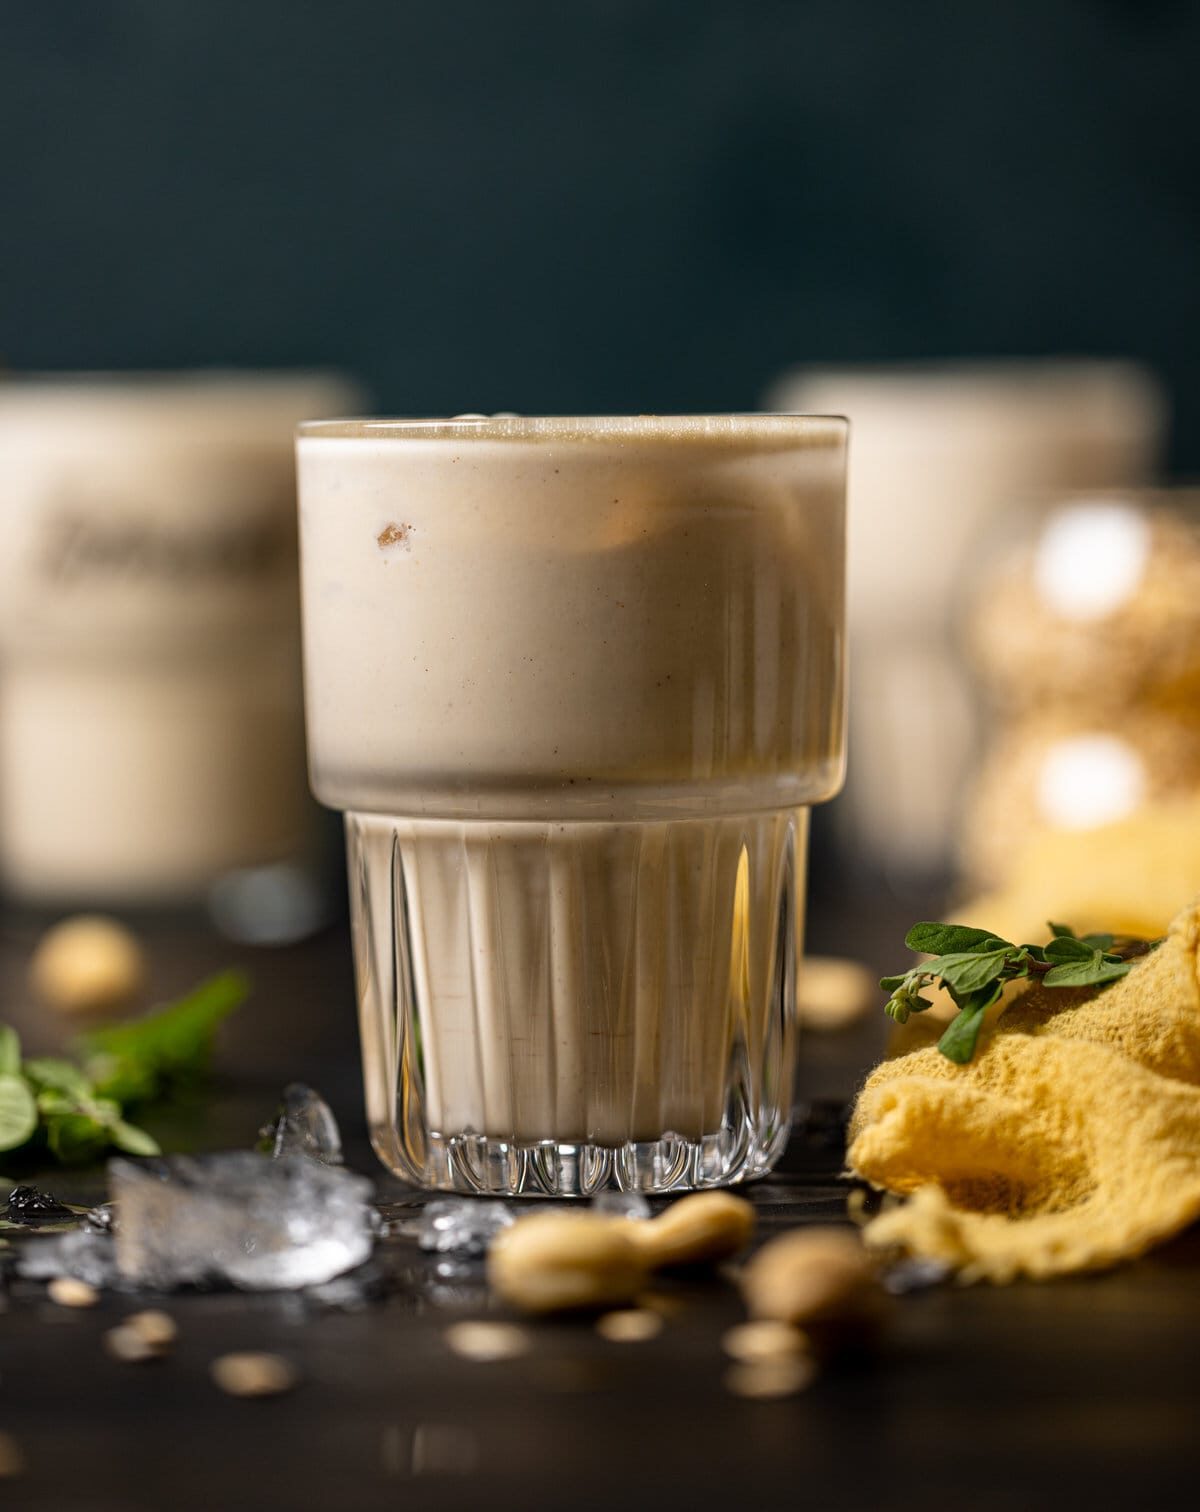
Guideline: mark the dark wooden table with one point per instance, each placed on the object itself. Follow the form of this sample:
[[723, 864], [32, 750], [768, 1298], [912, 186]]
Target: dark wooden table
[[1080, 1393]]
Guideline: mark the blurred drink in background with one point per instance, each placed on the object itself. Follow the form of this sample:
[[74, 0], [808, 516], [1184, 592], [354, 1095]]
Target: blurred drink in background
[[151, 739], [941, 455], [1086, 643]]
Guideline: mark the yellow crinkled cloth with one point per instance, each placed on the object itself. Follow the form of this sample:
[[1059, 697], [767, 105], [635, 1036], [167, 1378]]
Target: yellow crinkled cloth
[[1071, 1141]]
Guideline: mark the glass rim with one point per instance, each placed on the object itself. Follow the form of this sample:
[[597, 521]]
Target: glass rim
[[784, 429]]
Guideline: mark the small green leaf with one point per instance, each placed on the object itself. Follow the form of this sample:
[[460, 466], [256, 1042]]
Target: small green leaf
[[1099, 941], [1060, 931], [966, 972], [1068, 948], [123, 1078], [962, 1035], [134, 1062], [948, 939], [10, 1052], [51, 1102], [18, 1112], [46, 1072], [890, 984], [959, 1041], [1089, 973], [132, 1140], [75, 1138]]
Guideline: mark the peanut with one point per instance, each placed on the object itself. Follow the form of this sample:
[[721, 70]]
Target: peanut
[[127, 1345], [157, 1328], [818, 1279], [68, 1292], [559, 1261], [253, 1375], [766, 1339], [705, 1227], [485, 1341], [770, 1378], [631, 1325], [87, 964], [142, 1336]]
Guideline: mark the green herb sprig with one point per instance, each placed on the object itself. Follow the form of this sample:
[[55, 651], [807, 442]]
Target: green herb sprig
[[975, 965], [77, 1106]]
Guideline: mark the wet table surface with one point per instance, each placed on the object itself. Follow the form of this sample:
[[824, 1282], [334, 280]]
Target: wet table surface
[[1084, 1392]]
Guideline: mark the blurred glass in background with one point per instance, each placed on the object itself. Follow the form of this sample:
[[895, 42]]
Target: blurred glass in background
[[151, 740], [1085, 636], [940, 457]]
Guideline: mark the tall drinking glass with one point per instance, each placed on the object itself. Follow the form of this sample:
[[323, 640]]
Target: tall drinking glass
[[575, 683]]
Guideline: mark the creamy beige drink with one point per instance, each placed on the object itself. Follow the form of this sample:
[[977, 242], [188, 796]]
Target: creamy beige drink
[[576, 683]]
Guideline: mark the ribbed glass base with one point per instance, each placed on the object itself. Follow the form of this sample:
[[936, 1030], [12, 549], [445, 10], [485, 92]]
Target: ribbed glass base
[[473, 1163], [559, 1009]]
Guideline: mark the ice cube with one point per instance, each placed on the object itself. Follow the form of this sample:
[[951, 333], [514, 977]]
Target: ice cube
[[305, 1126], [461, 1225], [84, 1253], [914, 1274], [239, 1218], [622, 1205]]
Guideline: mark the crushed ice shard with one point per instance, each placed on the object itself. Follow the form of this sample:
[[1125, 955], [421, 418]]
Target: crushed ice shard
[[305, 1126], [622, 1205], [461, 1225], [238, 1218], [84, 1253]]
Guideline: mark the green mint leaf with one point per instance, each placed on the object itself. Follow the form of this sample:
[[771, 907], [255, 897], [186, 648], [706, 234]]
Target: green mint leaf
[[48, 1072], [124, 1079], [74, 1138], [932, 938], [51, 1101], [974, 965], [1068, 948], [962, 1034], [1089, 973], [18, 1112], [984, 998], [10, 1052], [961, 1037], [135, 1062], [965, 972], [132, 1140]]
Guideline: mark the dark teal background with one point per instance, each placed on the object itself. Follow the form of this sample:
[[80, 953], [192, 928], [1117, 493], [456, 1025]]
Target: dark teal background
[[598, 204]]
